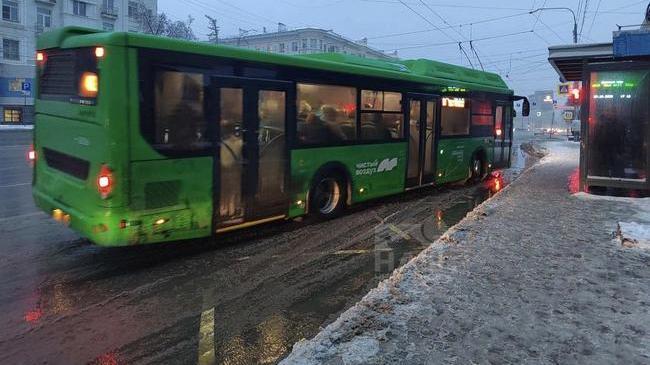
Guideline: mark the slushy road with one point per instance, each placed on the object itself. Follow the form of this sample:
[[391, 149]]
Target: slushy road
[[242, 298]]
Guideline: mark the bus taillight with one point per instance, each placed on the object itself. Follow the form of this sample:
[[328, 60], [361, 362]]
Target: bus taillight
[[40, 58], [105, 181], [31, 154], [89, 85]]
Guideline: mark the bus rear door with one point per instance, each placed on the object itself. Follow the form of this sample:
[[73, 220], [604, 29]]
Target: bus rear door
[[250, 181], [422, 140], [502, 136]]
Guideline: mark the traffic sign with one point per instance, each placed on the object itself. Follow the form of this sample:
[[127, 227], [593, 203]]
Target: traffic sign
[[568, 115], [563, 89], [27, 86]]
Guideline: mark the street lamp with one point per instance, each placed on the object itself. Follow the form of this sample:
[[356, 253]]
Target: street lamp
[[575, 20]]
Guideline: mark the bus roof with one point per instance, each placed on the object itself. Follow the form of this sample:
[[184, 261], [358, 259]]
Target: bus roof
[[420, 71]]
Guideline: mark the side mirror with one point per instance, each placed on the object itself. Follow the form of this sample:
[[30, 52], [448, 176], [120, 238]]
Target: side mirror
[[525, 108]]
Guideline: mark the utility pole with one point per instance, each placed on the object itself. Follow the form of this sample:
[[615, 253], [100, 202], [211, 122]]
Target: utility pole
[[575, 20], [213, 36]]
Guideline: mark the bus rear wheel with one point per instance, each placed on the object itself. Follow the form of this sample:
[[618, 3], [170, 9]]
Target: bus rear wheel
[[477, 169], [328, 196]]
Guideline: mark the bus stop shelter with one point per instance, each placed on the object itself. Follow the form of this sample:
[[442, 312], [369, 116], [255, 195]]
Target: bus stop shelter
[[615, 112]]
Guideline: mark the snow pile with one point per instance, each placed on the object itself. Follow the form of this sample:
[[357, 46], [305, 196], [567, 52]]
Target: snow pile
[[634, 234], [629, 234]]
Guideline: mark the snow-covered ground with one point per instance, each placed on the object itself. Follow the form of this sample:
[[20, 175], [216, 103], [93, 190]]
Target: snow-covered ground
[[531, 276], [634, 233]]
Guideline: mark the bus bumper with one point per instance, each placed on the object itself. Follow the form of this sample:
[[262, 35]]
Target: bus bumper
[[113, 227]]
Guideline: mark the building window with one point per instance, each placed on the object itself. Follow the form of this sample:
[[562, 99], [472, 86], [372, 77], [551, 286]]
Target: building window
[[109, 27], [294, 46], [44, 17], [332, 49], [320, 44], [281, 48], [79, 8], [133, 9], [12, 115], [304, 44], [10, 10], [10, 49], [326, 114], [313, 43]]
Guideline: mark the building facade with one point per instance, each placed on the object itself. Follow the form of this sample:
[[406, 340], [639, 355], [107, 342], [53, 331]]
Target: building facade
[[542, 111], [23, 20], [305, 41]]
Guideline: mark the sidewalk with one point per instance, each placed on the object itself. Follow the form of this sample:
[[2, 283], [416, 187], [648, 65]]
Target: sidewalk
[[535, 275]]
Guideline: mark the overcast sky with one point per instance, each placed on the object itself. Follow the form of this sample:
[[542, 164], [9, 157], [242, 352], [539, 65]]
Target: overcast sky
[[517, 48]]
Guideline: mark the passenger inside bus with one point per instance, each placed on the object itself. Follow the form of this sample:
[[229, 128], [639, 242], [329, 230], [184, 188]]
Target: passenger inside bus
[[179, 111], [325, 126], [231, 149], [326, 114]]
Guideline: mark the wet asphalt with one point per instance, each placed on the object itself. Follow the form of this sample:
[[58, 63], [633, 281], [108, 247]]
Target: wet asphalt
[[242, 298]]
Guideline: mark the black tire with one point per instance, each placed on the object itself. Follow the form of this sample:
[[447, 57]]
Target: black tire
[[477, 168], [328, 195]]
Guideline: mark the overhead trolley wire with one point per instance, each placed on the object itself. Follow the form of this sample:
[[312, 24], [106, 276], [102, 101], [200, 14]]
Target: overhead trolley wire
[[475, 40], [593, 21], [471, 45], [460, 44], [448, 27], [584, 17]]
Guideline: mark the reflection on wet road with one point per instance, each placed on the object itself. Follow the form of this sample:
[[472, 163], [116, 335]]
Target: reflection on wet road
[[245, 298]]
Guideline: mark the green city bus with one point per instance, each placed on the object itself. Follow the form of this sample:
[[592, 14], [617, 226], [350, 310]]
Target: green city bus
[[142, 139]]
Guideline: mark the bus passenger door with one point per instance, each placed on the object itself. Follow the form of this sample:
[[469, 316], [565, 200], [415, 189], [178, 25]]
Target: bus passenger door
[[507, 135], [502, 136], [422, 140], [251, 162]]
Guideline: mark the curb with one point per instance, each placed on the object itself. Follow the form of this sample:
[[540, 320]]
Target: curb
[[4, 128]]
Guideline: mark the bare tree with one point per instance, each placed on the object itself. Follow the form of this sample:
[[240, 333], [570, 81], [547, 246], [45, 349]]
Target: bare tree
[[181, 29], [213, 36], [160, 24]]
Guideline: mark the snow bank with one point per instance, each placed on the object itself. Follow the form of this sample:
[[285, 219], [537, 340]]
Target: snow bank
[[634, 234]]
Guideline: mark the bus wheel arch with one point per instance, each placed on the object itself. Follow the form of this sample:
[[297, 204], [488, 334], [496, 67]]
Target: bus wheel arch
[[334, 177]]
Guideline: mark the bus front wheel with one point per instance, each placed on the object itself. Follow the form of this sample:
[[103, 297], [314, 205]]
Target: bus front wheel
[[328, 196]]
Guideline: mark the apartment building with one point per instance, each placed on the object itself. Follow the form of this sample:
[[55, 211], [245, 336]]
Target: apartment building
[[23, 20], [305, 41]]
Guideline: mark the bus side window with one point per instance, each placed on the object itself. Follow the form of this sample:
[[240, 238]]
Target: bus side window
[[482, 118], [381, 116], [326, 114], [178, 113], [455, 118]]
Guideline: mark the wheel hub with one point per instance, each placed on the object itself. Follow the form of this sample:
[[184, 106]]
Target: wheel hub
[[328, 195]]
